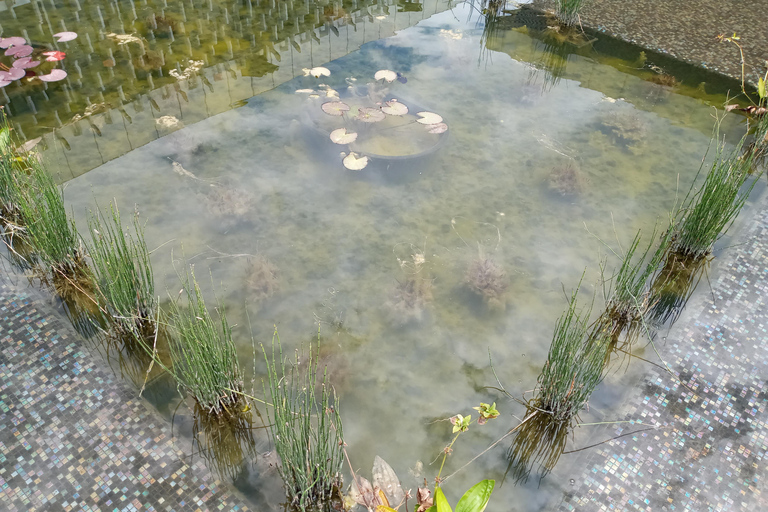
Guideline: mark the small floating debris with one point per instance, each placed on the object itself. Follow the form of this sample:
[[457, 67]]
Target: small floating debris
[[385, 74], [341, 136], [370, 115], [335, 108], [394, 108], [167, 122], [429, 118], [317, 72], [355, 162]]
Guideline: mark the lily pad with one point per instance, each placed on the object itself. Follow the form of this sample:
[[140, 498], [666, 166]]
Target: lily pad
[[341, 136], [4, 82], [429, 118], [355, 162], [7, 42], [319, 71], [370, 115], [394, 108], [54, 76], [335, 108], [63, 37], [19, 51], [437, 128], [12, 74], [25, 63], [385, 74]]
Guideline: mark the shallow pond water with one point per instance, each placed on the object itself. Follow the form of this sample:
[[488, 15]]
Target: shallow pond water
[[537, 167]]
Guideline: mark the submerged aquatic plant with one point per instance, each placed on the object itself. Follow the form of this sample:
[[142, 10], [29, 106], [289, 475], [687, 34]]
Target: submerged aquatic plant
[[411, 298], [488, 280], [305, 427], [625, 127], [262, 278], [122, 271], [566, 180], [573, 369]]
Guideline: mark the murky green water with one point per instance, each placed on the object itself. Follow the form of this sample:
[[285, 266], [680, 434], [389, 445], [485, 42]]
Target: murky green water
[[535, 168]]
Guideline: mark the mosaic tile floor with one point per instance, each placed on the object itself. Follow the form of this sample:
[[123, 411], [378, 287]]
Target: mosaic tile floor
[[74, 438], [708, 452]]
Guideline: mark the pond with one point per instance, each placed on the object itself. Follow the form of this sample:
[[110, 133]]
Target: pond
[[552, 150]]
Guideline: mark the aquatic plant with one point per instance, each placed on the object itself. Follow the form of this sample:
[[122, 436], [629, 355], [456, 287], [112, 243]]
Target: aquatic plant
[[629, 295], [384, 489], [410, 299], [625, 127], [568, 10], [709, 210], [204, 356], [262, 278], [22, 60], [673, 285], [488, 280], [566, 180], [573, 369], [228, 202], [51, 234], [122, 271], [306, 429]]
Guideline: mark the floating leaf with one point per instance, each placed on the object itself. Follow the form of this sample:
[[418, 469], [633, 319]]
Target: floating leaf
[[19, 51], [341, 136], [385, 74], [429, 118], [63, 37], [4, 82], [12, 74], [54, 76], [437, 128], [384, 477], [394, 108], [355, 162], [335, 108], [319, 71], [370, 115], [25, 63], [305, 91], [53, 56], [7, 42]]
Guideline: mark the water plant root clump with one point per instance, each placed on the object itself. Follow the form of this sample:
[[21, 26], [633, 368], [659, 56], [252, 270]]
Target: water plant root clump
[[673, 286], [225, 440], [488, 280], [306, 429], [573, 369]]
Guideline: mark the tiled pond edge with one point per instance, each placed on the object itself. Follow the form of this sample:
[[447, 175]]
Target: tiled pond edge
[[709, 451], [686, 30], [73, 437]]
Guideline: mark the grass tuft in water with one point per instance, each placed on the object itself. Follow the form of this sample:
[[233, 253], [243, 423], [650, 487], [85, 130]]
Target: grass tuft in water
[[573, 369], [123, 276], [708, 211], [306, 429], [204, 356], [568, 10], [630, 296]]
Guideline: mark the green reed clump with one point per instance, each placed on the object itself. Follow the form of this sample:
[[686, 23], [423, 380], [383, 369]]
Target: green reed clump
[[630, 296], [306, 429], [708, 211], [568, 10], [573, 369], [204, 356], [123, 276]]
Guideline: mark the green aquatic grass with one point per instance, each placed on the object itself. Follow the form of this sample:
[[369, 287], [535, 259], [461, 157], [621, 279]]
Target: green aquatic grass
[[572, 371], [708, 211], [123, 275], [306, 429], [629, 296], [203, 353], [568, 10]]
